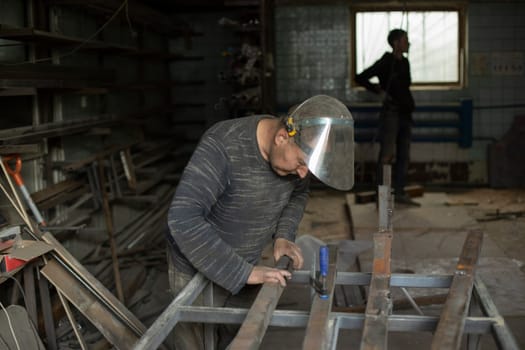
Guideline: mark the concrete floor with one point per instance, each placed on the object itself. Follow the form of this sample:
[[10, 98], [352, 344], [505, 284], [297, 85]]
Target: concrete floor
[[427, 240]]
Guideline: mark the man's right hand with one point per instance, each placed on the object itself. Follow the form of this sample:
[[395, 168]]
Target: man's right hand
[[263, 274]]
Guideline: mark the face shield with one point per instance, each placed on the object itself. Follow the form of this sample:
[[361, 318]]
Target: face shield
[[324, 130]]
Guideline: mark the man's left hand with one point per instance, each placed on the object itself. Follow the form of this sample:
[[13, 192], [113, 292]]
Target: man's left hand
[[285, 247]]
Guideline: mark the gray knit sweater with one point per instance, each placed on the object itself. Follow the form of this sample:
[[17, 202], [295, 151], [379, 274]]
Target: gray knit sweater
[[229, 204]]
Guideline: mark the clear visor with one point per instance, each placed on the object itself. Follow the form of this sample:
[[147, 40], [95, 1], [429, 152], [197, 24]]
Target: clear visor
[[328, 143]]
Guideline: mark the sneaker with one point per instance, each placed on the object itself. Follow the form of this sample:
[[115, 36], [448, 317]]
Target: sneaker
[[406, 200]]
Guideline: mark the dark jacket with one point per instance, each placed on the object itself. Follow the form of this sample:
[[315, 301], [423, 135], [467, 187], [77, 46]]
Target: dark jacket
[[394, 78]]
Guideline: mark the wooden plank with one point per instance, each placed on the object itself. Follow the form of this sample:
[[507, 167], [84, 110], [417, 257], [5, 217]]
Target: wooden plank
[[370, 196], [451, 324], [254, 327], [111, 327], [317, 335], [414, 190]]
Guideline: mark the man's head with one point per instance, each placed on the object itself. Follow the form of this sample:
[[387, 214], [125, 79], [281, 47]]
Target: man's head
[[318, 135], [398, 40], [285, 156]]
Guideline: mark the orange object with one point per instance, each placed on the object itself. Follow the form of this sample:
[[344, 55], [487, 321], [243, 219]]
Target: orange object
[[9, 264], [15, 173]]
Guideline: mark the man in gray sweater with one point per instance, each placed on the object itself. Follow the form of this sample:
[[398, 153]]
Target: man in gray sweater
[[245, 185]]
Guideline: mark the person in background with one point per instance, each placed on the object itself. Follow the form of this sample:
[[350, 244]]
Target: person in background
[[395, 122], [246, 185]]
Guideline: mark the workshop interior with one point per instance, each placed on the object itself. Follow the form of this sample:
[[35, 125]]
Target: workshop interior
[[104, 102]]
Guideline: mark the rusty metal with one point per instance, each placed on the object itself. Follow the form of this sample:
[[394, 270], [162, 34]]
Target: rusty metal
[[451, 324], [379, 304], [108, 216], [111, 327], [254, 327], [82, 275]]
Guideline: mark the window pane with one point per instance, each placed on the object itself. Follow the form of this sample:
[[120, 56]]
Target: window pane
[[433, 37]]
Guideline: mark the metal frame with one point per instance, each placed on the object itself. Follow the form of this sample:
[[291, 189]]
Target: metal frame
[[323, 325], [180, 310]]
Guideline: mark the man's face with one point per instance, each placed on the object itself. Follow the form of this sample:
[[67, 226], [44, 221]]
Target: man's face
[[288, 159], [404, 44]]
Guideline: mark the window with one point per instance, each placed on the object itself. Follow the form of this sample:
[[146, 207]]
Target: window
[[435, 36]]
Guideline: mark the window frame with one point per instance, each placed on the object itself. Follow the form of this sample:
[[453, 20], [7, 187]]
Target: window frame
[[462, 40]]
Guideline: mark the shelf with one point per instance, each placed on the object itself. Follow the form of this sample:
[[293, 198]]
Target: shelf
[[162, 56], [48, 39], [138, 13], [152, 85], [22, 135], [44, 38], [24, 79]]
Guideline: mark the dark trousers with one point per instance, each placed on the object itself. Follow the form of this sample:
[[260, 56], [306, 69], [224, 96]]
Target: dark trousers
[[190, 336], [395, 130]]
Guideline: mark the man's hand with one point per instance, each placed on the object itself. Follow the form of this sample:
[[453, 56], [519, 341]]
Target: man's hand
[[283, 246], [262, 274]]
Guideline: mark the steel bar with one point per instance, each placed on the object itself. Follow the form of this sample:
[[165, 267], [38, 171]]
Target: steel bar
[[500, 330], [72, 321], [163, 325], [317, 329], [94, 285], [379, 305], [299, 319], [408, 280], [411, 300], [47, 313], [113, 329], [36, 133], [209, 330], [254, 327], [109, 227], [450, 329]]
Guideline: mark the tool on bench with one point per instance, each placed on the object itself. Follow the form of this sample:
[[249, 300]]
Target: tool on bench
[[318, 278], [15, 173]]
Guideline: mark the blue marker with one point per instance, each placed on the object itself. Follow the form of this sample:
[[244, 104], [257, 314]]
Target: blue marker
[[323, 271]]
